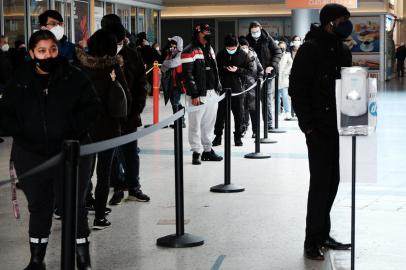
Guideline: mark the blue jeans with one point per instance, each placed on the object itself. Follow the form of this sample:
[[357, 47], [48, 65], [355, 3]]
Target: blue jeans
[[283, 94], [268, 110]]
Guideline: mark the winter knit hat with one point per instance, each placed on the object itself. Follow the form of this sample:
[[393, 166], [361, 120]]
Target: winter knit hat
[[243, 41], [230, 41], [331, 12]]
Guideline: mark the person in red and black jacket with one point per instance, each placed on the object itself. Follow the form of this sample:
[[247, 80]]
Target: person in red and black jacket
[[202, 83]]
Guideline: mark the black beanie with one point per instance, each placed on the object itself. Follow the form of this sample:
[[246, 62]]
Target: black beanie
[[243, 41], [331, 12], [230, 41]]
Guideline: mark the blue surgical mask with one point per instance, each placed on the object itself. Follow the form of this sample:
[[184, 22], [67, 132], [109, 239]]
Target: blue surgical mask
[[231, 51], [256, 34]]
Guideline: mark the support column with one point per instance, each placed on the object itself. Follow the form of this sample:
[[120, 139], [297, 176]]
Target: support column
[[302, 19]]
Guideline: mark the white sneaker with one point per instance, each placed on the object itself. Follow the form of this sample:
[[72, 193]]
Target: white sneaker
[[288, 116]]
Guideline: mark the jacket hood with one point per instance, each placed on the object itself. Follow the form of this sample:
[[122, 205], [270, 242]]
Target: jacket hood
[[179, 42], [98, 62], [252, 54], [317, 32]]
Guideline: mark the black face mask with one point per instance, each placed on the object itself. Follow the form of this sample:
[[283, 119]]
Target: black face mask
[[47, 65], [343, 29], [207, 38]]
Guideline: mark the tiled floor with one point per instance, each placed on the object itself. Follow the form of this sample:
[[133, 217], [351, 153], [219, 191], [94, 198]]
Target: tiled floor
[[261, 228]]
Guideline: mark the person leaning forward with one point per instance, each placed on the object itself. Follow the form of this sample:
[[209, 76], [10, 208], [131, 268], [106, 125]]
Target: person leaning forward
[[312, 87]]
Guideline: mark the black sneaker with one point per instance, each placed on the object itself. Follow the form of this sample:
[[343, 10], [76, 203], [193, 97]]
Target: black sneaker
[[217, 141], [196, 159], [137, 195], [90, 205], [57, 214], [117, 198], [211, 156], [107, 211], [100, 224], [237, 141]]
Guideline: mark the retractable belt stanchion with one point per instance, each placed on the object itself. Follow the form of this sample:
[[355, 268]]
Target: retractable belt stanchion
[[265, 111], [276, 126], [354, 149], [227, 187], [155, 91], [257, 154], [180, 239], [71, 151]]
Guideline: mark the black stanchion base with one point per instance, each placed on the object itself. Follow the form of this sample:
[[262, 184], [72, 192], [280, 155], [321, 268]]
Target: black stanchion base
[[257, 156], [276, 131], [231, 188], [181, 241], [267, 140]]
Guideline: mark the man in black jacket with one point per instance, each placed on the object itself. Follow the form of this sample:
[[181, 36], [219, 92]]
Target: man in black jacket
[[234, 64], [400, 58], [312, 87], [202, 83], [134, 71], [269, 55]]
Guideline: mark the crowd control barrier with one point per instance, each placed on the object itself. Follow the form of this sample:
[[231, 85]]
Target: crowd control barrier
[[265, 109]]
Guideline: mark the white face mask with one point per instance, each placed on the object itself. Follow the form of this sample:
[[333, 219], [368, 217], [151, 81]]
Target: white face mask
[[58, 32], [5, 47], [256, 35], [119, 47], [296, 43]]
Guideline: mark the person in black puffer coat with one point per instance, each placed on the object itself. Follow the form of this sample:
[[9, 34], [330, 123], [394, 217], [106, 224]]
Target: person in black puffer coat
[[47, 102], [315, 70], [234, 65], [269, 55]]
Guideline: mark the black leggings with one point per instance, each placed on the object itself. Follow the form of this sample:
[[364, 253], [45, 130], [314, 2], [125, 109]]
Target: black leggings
[[43, 188]]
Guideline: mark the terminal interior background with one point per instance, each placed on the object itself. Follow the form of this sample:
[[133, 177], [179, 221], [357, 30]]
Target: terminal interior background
[[263, 227]]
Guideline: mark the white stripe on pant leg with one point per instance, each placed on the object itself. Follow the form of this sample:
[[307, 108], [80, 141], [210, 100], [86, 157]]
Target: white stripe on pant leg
[[38, 240], [194, 119], [208, 121]]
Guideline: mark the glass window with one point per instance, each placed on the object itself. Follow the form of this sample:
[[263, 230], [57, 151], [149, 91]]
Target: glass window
[[109, 8], [124, 13], [81, 20], [156, 24], [98, 14], [65, 9], [149, 25], [134, 20], [14, 20], [36, 8], [141, 19]]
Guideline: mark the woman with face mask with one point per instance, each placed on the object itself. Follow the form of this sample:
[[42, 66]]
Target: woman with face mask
[[285, 65], [294, 45], [46, 102]]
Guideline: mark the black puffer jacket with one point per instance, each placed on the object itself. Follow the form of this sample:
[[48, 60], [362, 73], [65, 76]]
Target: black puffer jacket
[[39, 120], [98, 69], [256, 73], [134, 71], [268, 52], [196, 59], [234, 80], [312, 81]]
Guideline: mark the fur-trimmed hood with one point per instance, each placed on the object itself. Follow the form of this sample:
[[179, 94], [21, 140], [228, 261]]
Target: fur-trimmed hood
[[92, 62]]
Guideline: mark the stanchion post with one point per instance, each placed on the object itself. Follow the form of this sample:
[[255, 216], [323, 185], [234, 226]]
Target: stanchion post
[[71, 151], [354, 149], [155, 91], [180, 239], [276, 129], [257, 154], [227, 187], [265, 111]]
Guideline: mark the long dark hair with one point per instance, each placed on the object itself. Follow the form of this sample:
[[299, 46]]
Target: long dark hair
[[102, 43], [41, 35]]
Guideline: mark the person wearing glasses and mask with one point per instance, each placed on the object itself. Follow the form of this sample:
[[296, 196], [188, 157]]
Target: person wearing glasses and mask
[[202, 83], [294, 45], [315, 69], [52, 20]]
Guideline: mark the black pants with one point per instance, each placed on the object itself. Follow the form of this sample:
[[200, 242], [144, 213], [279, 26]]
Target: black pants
[[237, 109], [103, 171], [43, 188], [128, 160], [323, 151], [400, 68]]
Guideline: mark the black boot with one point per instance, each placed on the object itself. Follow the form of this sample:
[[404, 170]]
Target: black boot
[[217, 140], [83, 256], [196, 159], [37, 256], [237, 140]]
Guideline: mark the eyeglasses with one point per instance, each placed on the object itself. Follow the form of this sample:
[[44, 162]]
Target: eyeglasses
[[53, 24]]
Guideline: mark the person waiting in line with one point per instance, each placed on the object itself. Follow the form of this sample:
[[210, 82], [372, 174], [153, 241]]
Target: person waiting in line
[[315, 69], [19, 54], [104, 67], [171, 71], [285, 65], [52, 20], [295, 45], [47, 102], [234, 64], [250, 79], [400, 58], [202, 83], [127, 155], [269, 55], [5, 68]]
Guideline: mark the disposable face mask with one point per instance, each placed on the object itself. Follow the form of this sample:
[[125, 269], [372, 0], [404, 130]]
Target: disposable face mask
[[231, 51], [256, 34], [119, 47], [5, 47], [58, 32], [344, 29], [296, 43]]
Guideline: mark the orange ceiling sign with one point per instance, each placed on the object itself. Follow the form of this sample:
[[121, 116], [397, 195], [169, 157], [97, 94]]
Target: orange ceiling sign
[[319, 3]]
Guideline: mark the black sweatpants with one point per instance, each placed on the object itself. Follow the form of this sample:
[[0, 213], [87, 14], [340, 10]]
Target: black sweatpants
[[43, 188], [238, 111], [323, 151]]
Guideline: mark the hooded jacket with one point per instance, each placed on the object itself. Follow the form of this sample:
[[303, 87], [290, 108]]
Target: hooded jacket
[[285, 65], [268, 52], [40, 120], [98, 69], [315, 69]]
